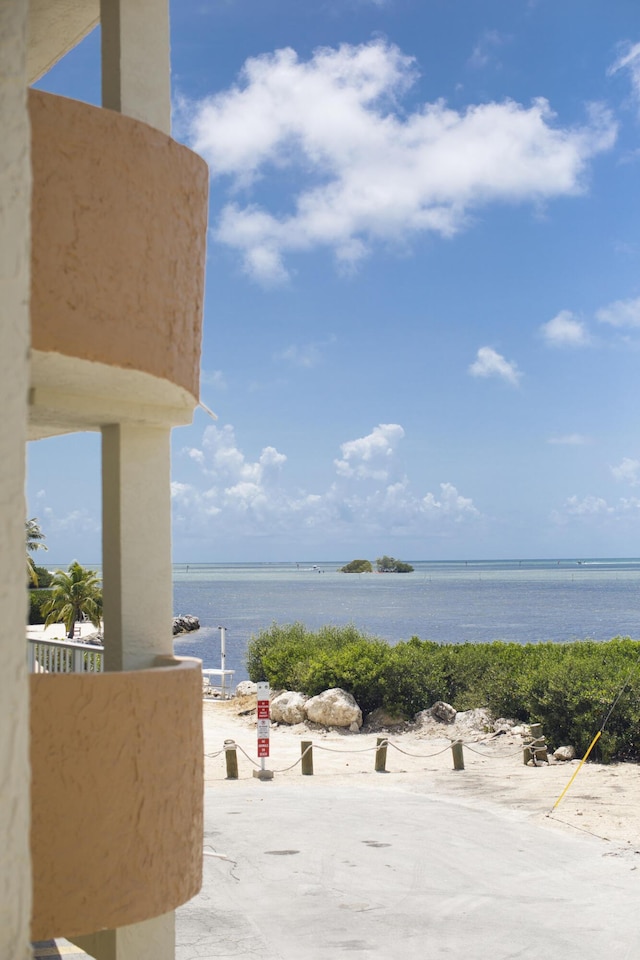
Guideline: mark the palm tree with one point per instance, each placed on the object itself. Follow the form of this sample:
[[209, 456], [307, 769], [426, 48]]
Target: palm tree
[[34, 537], [74, 595]]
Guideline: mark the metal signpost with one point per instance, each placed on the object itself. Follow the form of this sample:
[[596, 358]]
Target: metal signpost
[[264, 728]]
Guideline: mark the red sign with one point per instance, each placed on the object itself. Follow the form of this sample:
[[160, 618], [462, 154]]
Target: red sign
[[263, 746], [263, 710]]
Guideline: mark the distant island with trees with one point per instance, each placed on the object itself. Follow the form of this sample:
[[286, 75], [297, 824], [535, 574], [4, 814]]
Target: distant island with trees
[[383, 565]]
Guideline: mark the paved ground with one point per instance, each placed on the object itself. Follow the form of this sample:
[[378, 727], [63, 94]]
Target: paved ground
[[302, 870]]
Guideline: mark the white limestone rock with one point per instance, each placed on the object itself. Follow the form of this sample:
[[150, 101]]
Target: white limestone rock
[[246, 688], [443, 712], [564, 753], [288, 707], [334, 708]]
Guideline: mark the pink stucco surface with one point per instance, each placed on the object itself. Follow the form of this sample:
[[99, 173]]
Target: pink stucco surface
[[119, 219], [117, 796]]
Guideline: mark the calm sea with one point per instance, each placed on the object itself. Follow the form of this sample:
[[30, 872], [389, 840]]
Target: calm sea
[[455, 602]]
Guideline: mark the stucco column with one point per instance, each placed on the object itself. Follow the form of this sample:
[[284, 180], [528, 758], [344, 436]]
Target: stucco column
[[15, 200], [136, 78], [136, 545], [138, 609]]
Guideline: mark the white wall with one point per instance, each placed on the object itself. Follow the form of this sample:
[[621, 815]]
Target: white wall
[[15, 868]]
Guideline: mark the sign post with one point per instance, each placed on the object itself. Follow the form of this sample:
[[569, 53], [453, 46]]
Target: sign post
[[264, 731]]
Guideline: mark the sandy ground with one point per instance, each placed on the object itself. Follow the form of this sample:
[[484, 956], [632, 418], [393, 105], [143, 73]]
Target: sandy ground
[[603, 801], [420, 862]]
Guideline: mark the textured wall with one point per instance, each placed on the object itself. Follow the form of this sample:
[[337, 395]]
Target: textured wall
[[117, 796], [15, 872], [119, 233]]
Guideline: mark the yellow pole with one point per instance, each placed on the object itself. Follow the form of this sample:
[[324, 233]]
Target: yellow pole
[[593, 743]]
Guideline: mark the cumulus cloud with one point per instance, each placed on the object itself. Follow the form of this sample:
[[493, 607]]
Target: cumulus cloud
[[369, 456], [489, 363], [598, 512], [365, 170], [627, 471], [565, 330], [369, 494], [621, 313], [629, 60]]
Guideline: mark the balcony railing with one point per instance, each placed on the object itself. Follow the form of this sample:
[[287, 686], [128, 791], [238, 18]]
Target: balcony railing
[[64, 656]]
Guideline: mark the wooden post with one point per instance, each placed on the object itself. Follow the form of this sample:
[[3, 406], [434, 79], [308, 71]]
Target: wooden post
[[538, 745], [381, 754], [231, 758], [458, 755], [306, 748], [526, 755]]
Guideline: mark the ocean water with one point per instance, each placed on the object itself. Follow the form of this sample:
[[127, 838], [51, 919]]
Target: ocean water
[[454, 602]]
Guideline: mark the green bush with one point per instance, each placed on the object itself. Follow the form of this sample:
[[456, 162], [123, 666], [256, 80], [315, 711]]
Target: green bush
[[568, 687], [357, 566], [391, 565], [36, 598]]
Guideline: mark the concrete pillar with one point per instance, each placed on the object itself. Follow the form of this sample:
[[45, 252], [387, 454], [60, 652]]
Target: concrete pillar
[[15, 200], [136, 69], [136, 545], [148, 940], [138, 609]]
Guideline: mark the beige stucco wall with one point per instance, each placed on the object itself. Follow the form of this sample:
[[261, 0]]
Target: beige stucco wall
[[117, 796], [119, 233], [54, 28], [15, 871]]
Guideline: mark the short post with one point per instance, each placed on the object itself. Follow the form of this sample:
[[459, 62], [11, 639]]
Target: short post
[[381, 754], [539, 746], [231, 758], [458, 755], [306, 748], [536, 749]]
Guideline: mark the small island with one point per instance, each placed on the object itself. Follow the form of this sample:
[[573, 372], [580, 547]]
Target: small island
[[384, 565], [357, 566]]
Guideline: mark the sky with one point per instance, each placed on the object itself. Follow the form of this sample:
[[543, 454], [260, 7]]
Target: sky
[[422, 318]]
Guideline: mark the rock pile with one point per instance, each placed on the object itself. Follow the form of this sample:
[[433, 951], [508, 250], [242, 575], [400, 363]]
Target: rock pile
[[185, 624], [331, 708]]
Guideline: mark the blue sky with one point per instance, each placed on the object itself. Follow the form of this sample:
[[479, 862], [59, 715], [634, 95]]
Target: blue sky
[[422, 321]]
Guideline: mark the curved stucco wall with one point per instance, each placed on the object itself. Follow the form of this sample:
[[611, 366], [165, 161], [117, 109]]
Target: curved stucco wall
[[116, 797], [119, 217]]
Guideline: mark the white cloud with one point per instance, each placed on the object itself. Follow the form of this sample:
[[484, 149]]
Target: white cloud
[[587, 506], [621, 313], [629, 60], [565, 330], [369, 456], [489, 363], [368, 495], [365, 171], [628, 471], [570, 440]]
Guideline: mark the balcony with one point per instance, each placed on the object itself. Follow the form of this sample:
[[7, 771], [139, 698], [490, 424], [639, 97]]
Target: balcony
[[119, 217], [116, 796]]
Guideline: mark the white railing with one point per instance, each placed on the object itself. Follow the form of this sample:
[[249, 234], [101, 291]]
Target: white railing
[[64, 656]]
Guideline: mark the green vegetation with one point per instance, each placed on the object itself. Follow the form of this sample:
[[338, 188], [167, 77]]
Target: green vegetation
[[73, 595], [36, 599], [568, 687], [357, 566], [33, 537], [391, 565]]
